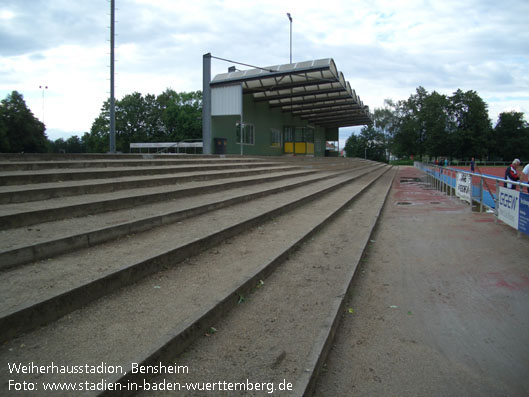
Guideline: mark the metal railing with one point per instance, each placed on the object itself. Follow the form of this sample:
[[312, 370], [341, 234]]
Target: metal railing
[[164, 147], [187, 143], [483, 187]]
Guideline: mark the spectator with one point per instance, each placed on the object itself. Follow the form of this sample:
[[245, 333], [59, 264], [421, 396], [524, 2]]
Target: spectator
[[511, 174], [446, 162], [472, 165], [526, 173]]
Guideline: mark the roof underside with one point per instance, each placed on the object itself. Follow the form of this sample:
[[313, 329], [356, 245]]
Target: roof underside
[[314, 91]]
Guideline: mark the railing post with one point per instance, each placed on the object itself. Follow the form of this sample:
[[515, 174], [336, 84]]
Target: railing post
[[471, 191], [453, 191], [497, 201], [481, 194]]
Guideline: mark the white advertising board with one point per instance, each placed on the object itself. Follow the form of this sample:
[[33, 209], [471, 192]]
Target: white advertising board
[[463, 186], [509, 206]]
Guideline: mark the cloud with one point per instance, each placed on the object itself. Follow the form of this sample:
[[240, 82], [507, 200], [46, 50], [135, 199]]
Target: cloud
[[37, 25], [386, 49]]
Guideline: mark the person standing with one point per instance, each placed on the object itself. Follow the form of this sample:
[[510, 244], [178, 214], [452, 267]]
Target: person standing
[[472, 165], [511, 174]]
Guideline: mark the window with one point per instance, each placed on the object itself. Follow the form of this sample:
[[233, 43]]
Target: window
[[275, 138], [300, 134], [309, 134], [248, 134], [289, 134]]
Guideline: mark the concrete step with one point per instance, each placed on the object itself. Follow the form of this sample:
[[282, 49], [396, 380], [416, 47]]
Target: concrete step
[[53, 157], [45, 240], [35, 212], [283, 329], [13, 178], [89, 164], [162, 313], [44, 191], [67, 282]]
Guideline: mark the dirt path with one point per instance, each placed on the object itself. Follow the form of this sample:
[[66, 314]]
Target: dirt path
[[440, 305]]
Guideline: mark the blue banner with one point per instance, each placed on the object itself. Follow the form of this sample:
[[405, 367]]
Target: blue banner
[[523, 220]]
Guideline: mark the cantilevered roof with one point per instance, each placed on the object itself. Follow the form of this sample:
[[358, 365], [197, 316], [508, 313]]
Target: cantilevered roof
[[313, 90]]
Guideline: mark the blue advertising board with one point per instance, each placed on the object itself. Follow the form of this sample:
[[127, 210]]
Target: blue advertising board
[[523, 220]]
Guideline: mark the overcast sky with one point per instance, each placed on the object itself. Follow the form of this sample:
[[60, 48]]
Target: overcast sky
[[386, 49]]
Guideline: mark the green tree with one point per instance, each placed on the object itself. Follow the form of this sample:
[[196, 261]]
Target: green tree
[[371, 143], [57, 146], [20, 130], [170, 117], [437, 125], [181, 114], [403, 128], [74, 144], [511, 136], [435, 120], [472, 126]]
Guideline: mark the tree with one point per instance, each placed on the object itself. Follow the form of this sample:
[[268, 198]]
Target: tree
[[20, 131], [403, 128], [511, 136], [371, 143], [435, 121], [437, 125], [181, 114], [170, 117], [472, 127]]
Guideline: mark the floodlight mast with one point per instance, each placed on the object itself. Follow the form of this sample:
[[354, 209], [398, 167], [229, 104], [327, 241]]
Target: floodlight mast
[[290, 19], [112, 100]]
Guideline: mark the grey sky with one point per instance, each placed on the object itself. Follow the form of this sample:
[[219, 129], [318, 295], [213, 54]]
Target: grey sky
[[386, 49]]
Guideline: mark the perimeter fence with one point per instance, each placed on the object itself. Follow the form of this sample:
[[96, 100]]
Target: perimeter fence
[[487, 192]]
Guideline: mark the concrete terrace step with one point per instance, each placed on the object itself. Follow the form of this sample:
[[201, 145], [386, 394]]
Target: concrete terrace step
[[14, 178], [161, 314], [54, 157], [35, 212], [283, 328], [89, 164], [44, 240], [44, 191], [69, 281]]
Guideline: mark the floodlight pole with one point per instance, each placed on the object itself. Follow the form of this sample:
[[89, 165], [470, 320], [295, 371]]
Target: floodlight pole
[[43, 88], [206, 104], [290, 19], [112, 100]]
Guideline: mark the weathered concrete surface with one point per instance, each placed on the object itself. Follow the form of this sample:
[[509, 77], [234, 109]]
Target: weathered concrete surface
[[440, 305]]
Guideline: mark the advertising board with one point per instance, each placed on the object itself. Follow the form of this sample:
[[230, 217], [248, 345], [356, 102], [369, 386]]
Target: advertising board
[[508, 206], [463, 186], [523, 220]]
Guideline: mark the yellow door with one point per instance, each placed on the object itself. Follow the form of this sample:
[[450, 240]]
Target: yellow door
[[301, 148]]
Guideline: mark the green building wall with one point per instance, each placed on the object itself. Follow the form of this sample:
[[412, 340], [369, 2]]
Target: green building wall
[[264, 119]]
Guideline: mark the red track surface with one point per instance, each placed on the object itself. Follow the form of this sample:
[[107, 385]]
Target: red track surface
[[496, 171], [488, 184]]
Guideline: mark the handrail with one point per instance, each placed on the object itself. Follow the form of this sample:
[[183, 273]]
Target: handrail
[[439, 169], [177, 145], [512, 215], [486, 176]]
